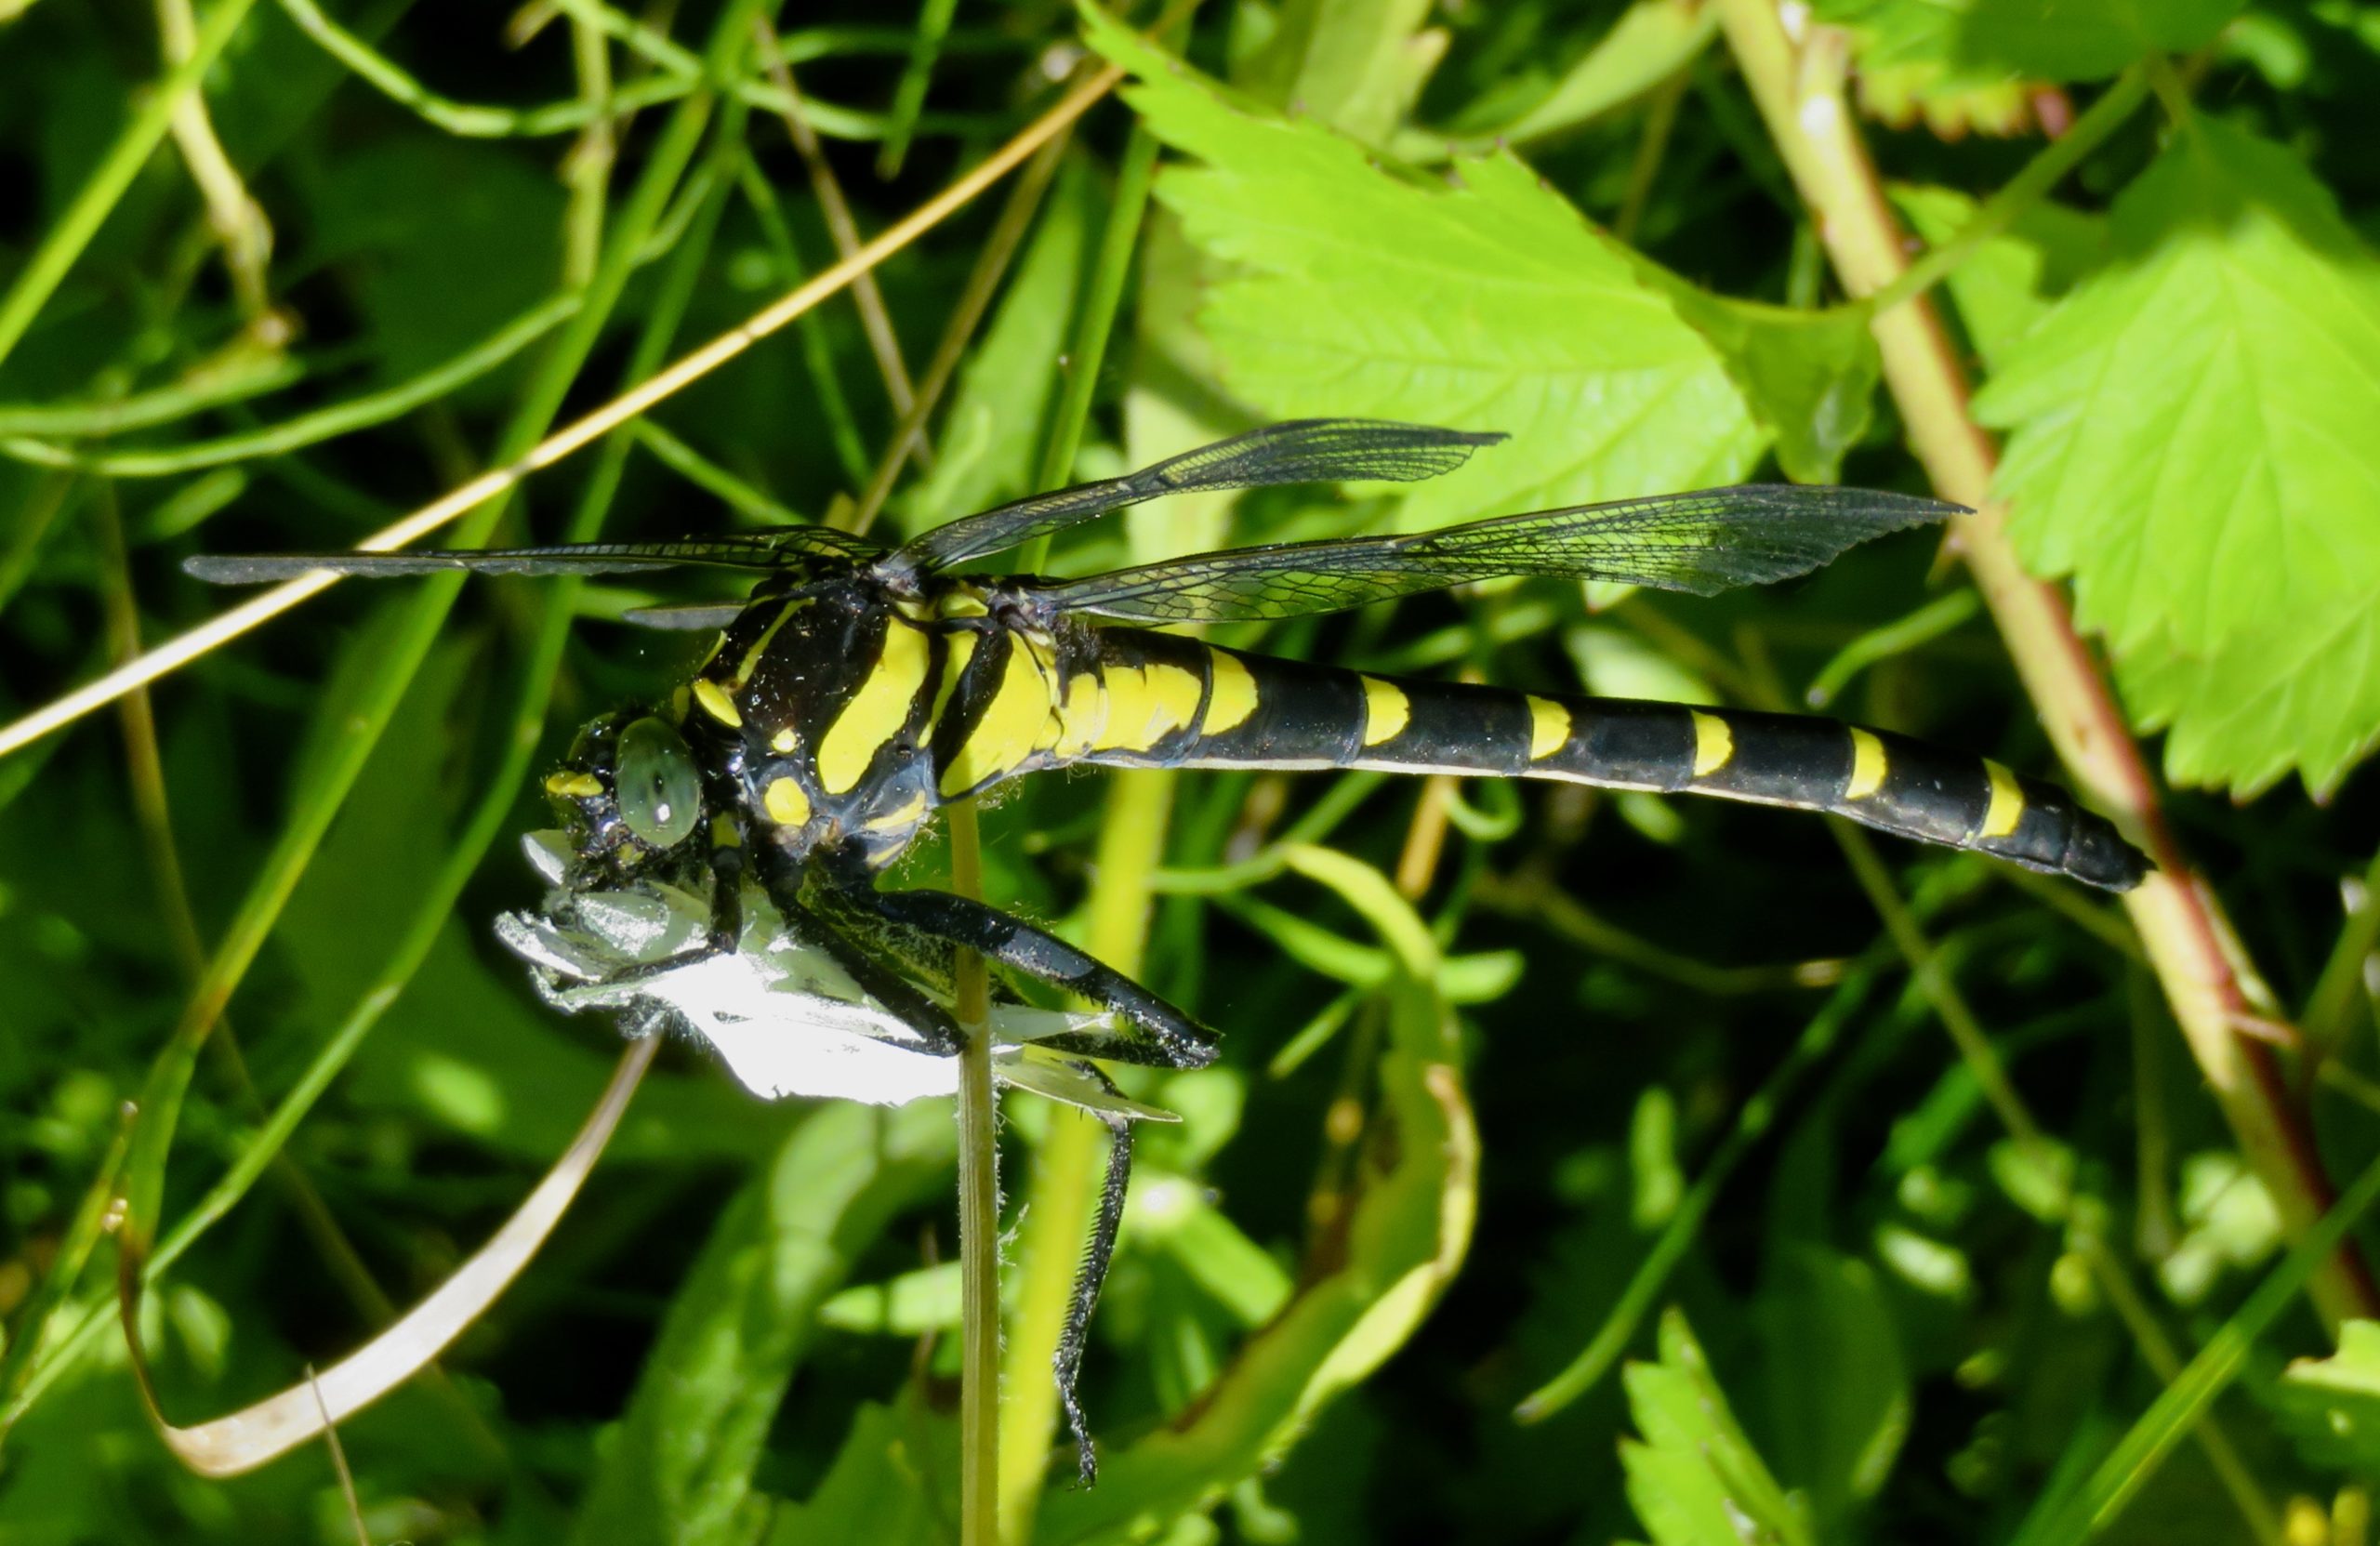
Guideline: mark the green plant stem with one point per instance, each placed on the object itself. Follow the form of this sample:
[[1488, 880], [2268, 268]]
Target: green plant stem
[[2196, 953], [975, 300], [817, 351], [2028, 188], [711, 477], [875, 320], [910, 98], [357, 729], [2188, 1396], [83, 219], [1132, 843], [1066, 1165], [1683, 1226], [252, 376], [1984, 1065], [1088, 349], [979, 1218], [2340, 987], [324, 423]]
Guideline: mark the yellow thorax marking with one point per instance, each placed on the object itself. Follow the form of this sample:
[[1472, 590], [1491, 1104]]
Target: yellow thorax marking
[[960, 603], [1713, 743], [878, 711], [563, 783], [784, 741], [1386, 710], [751, 660], [1011, 724], [1145, 704], [957, 649], [1080, 719], [908, 813], [785, 802], [716, 704], [2007, 802], [724, 833], [1867, 765], [1548, 728], [1232, 697]]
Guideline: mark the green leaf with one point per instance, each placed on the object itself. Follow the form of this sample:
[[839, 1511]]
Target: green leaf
[[1694, 1479], [1483, 300], [991, 439], [1840, 1384], [679, 1470], [1369, 1286], [2331, 1407], [2013, 280], [2087, 40], [1809, 377], [1652, 41], [1968, 47], [1356, 65], [892, 1483], [2192, 443]]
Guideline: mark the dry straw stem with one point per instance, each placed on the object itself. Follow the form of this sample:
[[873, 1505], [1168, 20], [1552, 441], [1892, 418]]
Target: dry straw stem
[[187, 646], [1798, 85]]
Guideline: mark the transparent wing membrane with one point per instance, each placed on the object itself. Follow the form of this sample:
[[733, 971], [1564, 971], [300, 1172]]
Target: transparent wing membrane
[[1704, 543], [1302, 451], [766, 552]]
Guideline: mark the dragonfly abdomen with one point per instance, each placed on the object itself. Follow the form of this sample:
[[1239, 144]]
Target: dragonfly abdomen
[[1258, 712]]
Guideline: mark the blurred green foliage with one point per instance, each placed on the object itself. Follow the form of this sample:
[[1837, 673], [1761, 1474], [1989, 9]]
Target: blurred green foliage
[[1515, 1087]]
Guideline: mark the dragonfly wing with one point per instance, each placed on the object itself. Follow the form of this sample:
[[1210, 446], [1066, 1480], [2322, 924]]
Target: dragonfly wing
[[1704, 543], [1301, 451], [766, 551]]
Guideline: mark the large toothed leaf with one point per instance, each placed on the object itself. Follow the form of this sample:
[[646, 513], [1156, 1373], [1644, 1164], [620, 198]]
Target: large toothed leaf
[[2192, 443], [1483, 299]]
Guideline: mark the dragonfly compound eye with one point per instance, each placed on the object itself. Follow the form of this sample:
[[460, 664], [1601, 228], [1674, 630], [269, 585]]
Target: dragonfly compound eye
[[659, 790]]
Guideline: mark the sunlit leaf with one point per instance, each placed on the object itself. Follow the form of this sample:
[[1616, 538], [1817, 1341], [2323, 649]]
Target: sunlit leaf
[[1694, 1479], [2191, 445], [1482, 301]]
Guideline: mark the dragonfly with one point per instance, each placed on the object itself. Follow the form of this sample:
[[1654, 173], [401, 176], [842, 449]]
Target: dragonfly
[[861, 687]]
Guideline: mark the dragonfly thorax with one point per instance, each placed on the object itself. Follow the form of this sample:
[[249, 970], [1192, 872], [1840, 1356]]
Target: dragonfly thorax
[[817, 707]]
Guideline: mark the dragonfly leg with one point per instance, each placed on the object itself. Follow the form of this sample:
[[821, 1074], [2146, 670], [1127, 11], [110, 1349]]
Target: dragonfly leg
[[879, 980], [1179, 1041], [723, 937], [1092, 1276]]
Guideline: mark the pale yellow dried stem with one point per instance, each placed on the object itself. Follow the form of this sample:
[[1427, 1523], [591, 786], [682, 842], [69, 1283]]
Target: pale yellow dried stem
[[186, 647]]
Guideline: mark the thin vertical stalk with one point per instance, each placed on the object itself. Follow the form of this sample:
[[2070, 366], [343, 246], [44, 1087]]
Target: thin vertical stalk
[[41, 277], [875, 320], [979, 1218], [2198, 958], [1065, 1168]]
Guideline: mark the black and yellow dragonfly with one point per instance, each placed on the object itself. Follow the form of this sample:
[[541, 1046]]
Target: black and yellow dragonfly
[[860, 687]]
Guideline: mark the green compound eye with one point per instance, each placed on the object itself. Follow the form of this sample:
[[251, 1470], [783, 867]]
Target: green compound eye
[[660, 793]]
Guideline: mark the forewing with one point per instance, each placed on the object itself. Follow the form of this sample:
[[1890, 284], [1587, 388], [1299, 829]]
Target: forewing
[[765, 551], [1301, 451], [1704, 543]]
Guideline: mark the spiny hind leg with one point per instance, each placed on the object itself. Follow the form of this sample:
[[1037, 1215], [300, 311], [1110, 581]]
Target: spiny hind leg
[[828, 927], [1178, 1040], [1092, 1276]]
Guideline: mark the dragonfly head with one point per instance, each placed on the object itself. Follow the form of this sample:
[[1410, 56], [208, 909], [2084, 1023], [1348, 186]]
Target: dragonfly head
[[630, 795]]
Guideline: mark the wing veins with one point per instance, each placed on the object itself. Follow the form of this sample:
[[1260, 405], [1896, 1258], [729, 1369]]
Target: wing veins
[[1704, 543], [765, 552], [1299, 451]]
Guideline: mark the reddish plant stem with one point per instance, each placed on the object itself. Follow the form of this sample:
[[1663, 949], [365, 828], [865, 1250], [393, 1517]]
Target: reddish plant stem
[[2199, 963]]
